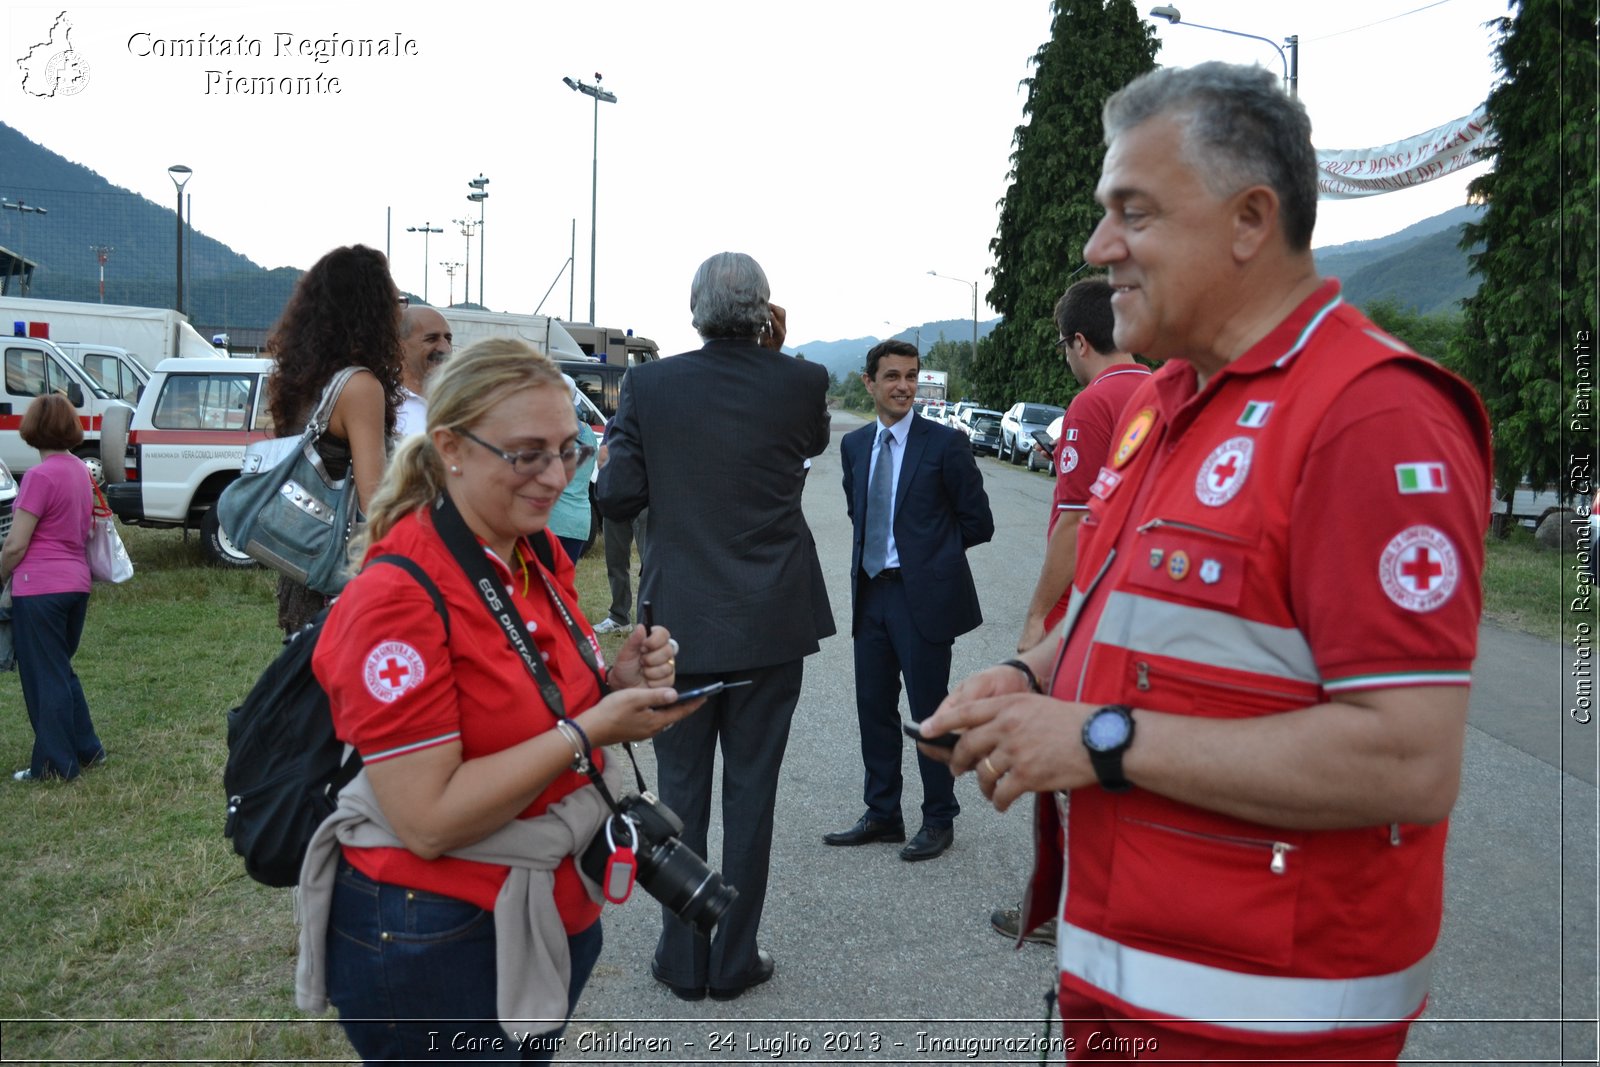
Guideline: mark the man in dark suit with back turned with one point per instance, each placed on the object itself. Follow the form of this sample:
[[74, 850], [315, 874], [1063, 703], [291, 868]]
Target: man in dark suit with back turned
[[916, 498], [714, 443]]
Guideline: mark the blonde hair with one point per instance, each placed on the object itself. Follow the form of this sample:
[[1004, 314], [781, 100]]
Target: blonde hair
[[460, 393]]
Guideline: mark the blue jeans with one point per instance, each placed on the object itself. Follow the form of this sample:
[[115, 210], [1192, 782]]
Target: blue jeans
[[413, 975], [45, 630]]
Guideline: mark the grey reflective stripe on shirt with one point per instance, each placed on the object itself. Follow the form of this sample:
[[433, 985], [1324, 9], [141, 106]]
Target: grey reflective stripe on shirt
[[1203, 636], [1255, 1002]]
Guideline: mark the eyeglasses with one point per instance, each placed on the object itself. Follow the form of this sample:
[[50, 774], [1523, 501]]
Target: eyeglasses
[[535, 461], [405, 301], [1064, 345]]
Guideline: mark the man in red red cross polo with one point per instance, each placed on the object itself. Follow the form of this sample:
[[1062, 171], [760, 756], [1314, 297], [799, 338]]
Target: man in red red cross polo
[[1108, 376], [1253, 722]]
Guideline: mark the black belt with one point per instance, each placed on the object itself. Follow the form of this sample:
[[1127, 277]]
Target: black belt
[[888, 574]]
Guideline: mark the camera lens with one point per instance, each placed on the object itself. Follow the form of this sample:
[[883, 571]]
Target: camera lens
[[682, 882]]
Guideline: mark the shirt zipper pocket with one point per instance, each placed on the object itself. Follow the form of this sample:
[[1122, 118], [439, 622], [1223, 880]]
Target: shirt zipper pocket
[[1280, 850], [1189, 527]]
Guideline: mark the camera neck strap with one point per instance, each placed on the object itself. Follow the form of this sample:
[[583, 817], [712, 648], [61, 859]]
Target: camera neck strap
[[469, 555]]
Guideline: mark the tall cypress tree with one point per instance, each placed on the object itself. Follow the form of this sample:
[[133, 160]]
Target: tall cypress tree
[[1049, 211], [1537, 269]]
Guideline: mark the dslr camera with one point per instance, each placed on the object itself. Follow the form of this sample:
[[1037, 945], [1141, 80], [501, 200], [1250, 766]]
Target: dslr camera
[[668, 869]]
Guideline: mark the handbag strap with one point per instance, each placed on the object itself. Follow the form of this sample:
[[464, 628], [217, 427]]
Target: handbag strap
[[330, 398], [469, 555]]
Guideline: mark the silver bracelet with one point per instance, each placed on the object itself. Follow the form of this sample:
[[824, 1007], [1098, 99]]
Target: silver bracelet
[[580, 744]]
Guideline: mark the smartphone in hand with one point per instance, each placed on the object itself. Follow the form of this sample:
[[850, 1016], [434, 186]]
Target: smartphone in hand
[[914, 731]]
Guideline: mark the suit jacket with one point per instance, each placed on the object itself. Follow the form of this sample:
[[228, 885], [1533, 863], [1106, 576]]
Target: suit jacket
[[940, 511], [714, 443]]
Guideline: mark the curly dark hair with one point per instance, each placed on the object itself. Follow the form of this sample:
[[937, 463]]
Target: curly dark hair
[[345, 311]]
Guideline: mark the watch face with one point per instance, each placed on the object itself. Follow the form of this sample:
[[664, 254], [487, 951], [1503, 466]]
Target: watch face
[[1105, 731]]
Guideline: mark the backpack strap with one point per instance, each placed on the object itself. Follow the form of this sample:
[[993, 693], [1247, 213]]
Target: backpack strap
[[352, 761]]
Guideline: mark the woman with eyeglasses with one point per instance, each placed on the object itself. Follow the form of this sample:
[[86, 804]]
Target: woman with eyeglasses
[[457, 737], [345, 311]]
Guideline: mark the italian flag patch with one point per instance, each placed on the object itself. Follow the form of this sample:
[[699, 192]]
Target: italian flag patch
[[1420, 478], [1255, 414]]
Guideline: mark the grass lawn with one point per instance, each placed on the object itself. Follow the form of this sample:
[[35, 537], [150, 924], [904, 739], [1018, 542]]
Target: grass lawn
[[131, 930]]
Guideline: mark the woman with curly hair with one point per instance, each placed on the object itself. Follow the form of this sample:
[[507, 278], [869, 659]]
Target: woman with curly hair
[[344, 312]]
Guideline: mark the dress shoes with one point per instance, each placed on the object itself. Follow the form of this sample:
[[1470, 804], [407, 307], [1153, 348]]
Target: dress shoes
[[866, 830], [765, 965], [682, 992], [930, 842]]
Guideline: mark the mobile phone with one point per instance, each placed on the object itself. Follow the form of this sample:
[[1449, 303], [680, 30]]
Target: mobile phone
[[704, 691], [914, 731]]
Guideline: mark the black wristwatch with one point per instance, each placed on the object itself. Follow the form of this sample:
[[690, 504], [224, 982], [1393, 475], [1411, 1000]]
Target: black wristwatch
[[1107, 734]]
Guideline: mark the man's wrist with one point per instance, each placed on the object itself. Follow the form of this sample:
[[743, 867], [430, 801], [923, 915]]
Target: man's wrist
[[1027, 672]]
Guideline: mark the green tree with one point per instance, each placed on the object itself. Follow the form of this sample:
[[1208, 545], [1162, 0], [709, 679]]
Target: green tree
[[1095, 48], [1537, 267], [1437, 335]]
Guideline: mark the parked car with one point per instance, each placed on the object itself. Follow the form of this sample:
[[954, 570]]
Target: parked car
[[168, 461], [1018, 424], [982, 427]]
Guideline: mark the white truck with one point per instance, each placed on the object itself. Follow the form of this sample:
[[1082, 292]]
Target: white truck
[[546, 334], [149, 335]]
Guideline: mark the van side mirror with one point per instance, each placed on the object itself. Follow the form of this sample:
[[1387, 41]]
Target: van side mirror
[[75, 394]]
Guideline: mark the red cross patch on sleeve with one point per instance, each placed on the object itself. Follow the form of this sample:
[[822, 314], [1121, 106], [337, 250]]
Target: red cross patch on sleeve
[[391, 669]]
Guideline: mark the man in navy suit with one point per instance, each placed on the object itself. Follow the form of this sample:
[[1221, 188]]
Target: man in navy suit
[[915, 496]]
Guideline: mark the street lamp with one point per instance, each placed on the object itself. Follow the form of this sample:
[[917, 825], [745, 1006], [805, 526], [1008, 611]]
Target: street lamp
[[180, 176], [599, 94], [102, 253], [425, 229], [974, 285], [479, 194], [467, 226], [1291, 62]]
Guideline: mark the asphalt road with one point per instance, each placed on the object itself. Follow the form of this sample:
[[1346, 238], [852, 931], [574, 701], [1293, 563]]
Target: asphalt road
[[881, 961]]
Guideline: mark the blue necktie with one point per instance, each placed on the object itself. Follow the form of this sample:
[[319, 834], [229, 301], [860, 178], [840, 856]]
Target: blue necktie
[[880, 507]]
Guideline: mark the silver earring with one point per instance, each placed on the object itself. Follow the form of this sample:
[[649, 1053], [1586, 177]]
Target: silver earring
[[455, 470]]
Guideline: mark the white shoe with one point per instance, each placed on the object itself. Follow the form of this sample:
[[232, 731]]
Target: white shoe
[[608, 625]]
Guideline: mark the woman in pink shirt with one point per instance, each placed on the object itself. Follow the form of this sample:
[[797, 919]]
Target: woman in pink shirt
[[45, 559]]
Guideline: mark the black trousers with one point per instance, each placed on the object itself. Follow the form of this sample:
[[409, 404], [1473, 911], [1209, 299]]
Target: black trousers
[[751, 726]]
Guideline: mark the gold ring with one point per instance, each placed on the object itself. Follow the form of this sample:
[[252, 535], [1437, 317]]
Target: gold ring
[[989, 765], [672, 661]]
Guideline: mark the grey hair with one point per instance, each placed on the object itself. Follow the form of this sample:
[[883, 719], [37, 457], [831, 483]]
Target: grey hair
[[1239, 129], [729, 297]]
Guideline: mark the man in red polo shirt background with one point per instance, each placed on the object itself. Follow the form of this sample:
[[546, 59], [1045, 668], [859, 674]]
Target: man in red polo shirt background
[[1108, 376], [1253, 722]]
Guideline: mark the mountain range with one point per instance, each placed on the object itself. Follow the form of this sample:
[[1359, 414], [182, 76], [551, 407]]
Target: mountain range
[[1420, 267]]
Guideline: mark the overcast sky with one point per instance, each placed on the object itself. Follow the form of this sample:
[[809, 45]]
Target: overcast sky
[[851, 147]]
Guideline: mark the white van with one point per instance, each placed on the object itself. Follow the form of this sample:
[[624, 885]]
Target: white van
[[31, 367], [115, 369], [184, 444]]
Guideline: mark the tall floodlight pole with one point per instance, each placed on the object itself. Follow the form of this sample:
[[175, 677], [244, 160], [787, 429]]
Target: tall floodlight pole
[[974, 285], [450, 272], [1291, 61], [101, 254], [467, 226], [425, 229], [599, 94], [180, 175], [479, 194]]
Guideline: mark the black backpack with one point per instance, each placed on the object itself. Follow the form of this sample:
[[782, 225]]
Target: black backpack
[[285, 766]]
